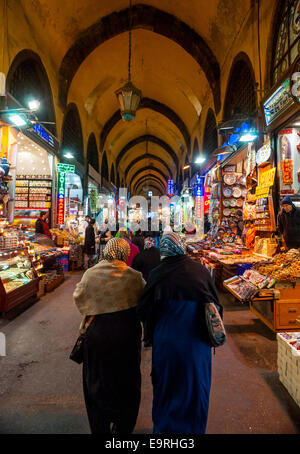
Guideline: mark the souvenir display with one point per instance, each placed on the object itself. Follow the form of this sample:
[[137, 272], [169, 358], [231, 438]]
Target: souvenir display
[[233, 202], [229, 178], [239, 203], [226, 203], [227, 192], [242, 180], [236, 192], [227, 212]]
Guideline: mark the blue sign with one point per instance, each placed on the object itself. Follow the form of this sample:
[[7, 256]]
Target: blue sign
[[199, 187], [39, 130], [170, 187], [280, 100]]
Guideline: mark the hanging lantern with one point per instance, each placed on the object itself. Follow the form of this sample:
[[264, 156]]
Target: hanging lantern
[[129, 96], [129, 99]]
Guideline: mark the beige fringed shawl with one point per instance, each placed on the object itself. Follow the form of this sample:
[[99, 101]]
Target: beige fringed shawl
[[109, 286]]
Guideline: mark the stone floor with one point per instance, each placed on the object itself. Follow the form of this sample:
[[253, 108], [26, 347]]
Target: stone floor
[[41, 392]]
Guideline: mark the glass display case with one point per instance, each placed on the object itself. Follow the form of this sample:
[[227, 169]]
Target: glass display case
[[18, 278]]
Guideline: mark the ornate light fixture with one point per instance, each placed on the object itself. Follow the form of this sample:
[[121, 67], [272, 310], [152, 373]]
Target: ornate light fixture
[[129, 96]]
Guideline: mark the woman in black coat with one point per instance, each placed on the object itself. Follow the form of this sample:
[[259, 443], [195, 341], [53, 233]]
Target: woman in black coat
[[148, 258], [89, 244]]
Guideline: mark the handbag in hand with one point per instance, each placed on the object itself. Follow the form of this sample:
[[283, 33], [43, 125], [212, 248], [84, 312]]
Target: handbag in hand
[[77, 351], [214, 324]]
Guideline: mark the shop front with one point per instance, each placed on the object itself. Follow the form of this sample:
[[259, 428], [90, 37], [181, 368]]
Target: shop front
[[94, 182]]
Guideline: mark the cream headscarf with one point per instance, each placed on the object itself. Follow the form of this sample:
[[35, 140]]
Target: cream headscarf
[[109, 286]]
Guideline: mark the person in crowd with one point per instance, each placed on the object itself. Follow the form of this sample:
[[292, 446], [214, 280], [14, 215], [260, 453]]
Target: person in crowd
[[206, 224], [288, 223], [172, 305], [84, 225], [105, 236], [112, 347], [138, 240], [145, 262], [148, 259], [89, 244], [189, 229], [41, 225], [127, 235]]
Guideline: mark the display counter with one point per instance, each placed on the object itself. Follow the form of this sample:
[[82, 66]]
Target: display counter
[[18, 278]]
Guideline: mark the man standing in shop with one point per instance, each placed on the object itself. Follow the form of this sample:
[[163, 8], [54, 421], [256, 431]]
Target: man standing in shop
[[41, 225], [288, 223]]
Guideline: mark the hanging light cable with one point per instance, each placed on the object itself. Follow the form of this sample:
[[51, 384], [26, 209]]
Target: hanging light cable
[[129, 96]]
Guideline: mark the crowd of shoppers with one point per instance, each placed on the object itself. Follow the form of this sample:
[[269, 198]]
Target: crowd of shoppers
[[137, 285]]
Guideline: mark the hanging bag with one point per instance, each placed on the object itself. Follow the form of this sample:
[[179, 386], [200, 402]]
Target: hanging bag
[[214, 323], [77, 351]]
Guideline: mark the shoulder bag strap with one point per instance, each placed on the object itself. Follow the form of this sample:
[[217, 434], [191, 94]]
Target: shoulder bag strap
[[84, 325]]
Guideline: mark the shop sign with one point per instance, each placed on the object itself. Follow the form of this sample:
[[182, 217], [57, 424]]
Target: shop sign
[[263, 154], [206, 199], [266, 180], [61, 198], [278, 102], [39, 130], [65, 168], [170, 187]]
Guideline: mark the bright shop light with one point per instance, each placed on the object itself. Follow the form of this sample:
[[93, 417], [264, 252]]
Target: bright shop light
[[69, 156], [200, 160], [248, 137], [17, 120], [186, 167], [34, 104]]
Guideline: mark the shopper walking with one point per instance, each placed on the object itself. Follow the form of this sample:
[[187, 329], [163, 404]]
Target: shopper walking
[[172, 304], [127, 235], [105, 236], [288, 223], [89, 244], [138, 240], [148, 259], [112, 348]]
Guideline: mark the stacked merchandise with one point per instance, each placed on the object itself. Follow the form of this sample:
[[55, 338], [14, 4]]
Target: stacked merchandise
[[247, 286], [288, 361], [283, 267], [34, 194], [233, 194], [8, 240]]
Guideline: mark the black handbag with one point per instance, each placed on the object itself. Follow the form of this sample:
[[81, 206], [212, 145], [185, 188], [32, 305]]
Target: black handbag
[[77, 351]]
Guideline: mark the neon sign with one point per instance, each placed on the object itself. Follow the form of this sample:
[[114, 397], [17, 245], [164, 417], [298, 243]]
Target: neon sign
[[39, 130], [170, 187], [61, 198], [65, 168]]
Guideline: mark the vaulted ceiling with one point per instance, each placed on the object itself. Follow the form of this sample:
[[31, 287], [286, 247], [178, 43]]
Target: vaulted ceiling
[[178, 48]]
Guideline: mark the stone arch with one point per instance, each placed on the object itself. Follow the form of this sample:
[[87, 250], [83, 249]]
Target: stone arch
[[151, 186], [148, 177], [147, 103], [147, 156], [210, 135], [118, 180], [149, 18], [240, 99], [26, 77], [165, 177], [104, 167], [112, 174], [145, 138], [72, 138], [92, 152]]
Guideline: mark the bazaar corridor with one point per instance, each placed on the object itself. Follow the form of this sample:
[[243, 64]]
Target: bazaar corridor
[[41, 389]]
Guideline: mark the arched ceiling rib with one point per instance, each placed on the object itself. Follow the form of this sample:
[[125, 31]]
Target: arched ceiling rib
[[146, 169], [143, 17], [149, 183], [145, 138], [155, 106], [149, 156], [146, 178], [148, 164], [151, 187]]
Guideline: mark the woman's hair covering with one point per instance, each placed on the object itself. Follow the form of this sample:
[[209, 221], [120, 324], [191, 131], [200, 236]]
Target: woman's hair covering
[[129, 233], [171, 244], [116, 249], [149, 242]]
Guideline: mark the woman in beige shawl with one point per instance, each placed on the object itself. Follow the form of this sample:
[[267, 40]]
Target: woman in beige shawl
[[112, 349]]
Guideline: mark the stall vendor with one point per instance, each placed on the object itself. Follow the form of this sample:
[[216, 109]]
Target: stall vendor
[[288, 223], [41, 225]]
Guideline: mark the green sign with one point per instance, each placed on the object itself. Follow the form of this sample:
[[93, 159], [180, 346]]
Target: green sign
[[65, 168]]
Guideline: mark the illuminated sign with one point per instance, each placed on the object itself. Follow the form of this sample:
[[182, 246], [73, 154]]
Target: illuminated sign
[[199, 187], [266, 180], [61, 198], [278, 102], [206, 199], [39, 130], [65, 168], [170, 187], [150, 193]]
